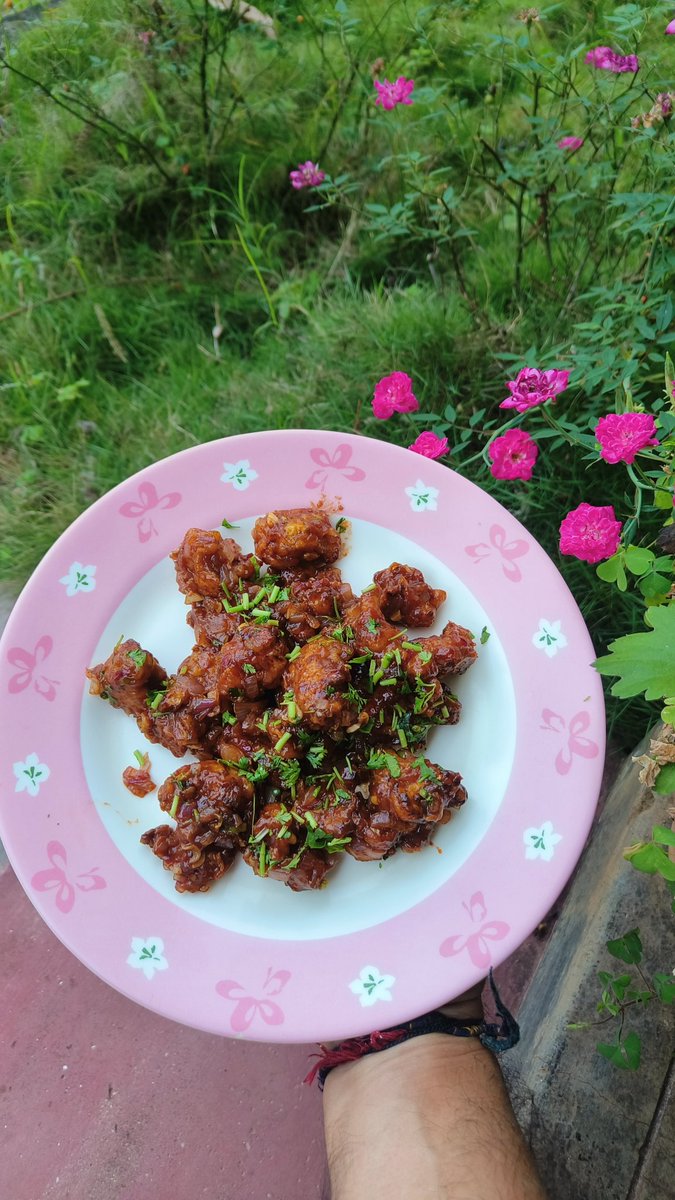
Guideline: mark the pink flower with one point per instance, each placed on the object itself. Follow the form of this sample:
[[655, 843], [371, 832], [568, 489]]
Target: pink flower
[[533, 386], [146, 36], [670, 28], [606, 59], [430, 445], [391, 94], [570, 143], [513, 455], [307, 174], [590, 533], [622, 435], [394, 394]]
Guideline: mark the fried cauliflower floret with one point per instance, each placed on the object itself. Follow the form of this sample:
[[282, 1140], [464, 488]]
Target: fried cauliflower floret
[[295, 537], [409, 797], [278, 849], [319, 678], [252, 662], [205, 561], [406, 596], [127, 677], [316, 599]]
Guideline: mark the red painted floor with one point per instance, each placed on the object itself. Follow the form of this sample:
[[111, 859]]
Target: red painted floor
[[102, 1100]]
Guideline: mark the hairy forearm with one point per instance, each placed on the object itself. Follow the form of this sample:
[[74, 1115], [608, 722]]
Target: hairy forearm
[[429, 1120]]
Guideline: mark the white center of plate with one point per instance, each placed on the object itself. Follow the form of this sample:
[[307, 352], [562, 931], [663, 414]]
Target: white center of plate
[[359, 895]]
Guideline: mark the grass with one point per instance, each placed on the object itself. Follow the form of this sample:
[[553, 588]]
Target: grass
[[167, 210]]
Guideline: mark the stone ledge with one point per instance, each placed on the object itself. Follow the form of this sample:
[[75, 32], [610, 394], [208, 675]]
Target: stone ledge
[[599, 1133]]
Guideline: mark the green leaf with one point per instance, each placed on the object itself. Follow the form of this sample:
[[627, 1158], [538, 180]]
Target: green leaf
[[639, 560], [668, 712], [650, 859], [645, 662], [653, 585], [670, 379], [665, 987], [624, 1054], [664, 315], [612, 571], [663, 495], [627, 948], [665, 784], [661, 833]]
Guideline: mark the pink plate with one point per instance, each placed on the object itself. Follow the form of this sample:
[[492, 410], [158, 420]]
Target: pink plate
[[383, 942]]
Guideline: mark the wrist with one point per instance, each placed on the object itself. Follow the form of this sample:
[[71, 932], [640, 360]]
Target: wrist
[[398, 1067]]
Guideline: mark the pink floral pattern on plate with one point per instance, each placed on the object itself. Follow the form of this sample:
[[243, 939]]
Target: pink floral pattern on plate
[[54, 878], [575, 741], [148, 500], [28, 662], [476, 943], [248, 1007], [507, 551], [338, 461]]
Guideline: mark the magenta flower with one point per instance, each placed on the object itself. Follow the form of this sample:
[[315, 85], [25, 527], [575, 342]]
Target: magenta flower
[[430, 445], [623, 435], [606, 59], [513, 455], [394, 394], [670, 28], [570, 143], [307, 174], [532, 386], [391, 94], [590, 533]]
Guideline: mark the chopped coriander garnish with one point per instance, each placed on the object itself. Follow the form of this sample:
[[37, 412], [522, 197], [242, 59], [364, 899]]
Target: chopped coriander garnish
[[372, 625], [262, 858], [484, 635], [355, 697], [340, 525], [411, 646], [155, 698], [228, 718], [371, 588], [316, 755], [425, 656], [285, 737], [225, 524], [294, 654], [137, 656], [379, 758], [249, 669], [174, 807], [289, 773], [140, 758], [426, 772], [254, 774], [318, 840]]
